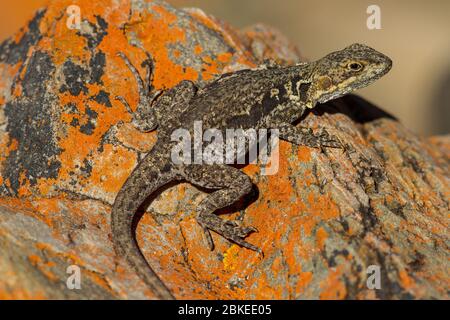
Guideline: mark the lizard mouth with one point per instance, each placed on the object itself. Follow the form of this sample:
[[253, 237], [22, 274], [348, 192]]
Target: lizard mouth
[[333, 95]]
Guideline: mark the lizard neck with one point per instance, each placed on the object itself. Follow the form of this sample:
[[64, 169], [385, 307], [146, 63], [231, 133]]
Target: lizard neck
[[298, 83], [302, 70]]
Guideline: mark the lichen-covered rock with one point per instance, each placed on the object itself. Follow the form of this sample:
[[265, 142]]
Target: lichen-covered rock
[[67, 146]]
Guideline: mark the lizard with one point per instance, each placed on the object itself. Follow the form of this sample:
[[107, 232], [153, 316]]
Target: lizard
[[242, 99]]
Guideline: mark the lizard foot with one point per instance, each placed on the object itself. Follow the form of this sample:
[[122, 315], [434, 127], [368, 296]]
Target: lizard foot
[[303, 136], [230, 230], [325, 140], [144, 117], [230, 185]]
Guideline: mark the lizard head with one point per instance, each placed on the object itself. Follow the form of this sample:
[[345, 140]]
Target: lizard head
[[344, 71]]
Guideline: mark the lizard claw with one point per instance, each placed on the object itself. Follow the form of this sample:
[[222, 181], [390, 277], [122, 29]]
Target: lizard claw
[[208, 238], [231, 231], [236, 234]]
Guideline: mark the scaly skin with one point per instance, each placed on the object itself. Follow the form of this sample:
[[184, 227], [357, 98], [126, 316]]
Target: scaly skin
[[263, 98]]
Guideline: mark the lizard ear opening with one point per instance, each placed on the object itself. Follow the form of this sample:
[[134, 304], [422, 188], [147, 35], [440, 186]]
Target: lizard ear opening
[[325, 82]]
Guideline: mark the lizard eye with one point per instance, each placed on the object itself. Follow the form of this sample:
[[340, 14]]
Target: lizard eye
[[355, 66]]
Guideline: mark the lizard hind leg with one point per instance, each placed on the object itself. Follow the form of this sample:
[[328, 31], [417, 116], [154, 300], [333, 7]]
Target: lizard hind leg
[[230, 184], [144, 117]]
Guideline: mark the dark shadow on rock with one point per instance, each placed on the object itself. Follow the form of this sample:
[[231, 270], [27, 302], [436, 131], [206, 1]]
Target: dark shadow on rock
[[243, 203], [440, 106], [356, 108], [151, 197]]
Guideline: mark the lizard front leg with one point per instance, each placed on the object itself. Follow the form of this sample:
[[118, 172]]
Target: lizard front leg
[[144, 118], [155, 107], [306, 137], [174, 101], [230, 184]]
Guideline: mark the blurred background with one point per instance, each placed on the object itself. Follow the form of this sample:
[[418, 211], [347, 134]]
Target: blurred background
[[414, 33]]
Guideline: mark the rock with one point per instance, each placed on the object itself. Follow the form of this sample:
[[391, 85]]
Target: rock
[[67, 146]]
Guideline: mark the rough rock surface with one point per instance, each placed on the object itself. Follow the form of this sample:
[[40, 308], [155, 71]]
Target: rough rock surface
[[67, 146]]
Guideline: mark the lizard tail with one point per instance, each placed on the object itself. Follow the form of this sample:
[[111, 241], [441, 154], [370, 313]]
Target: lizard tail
[[147, 177]]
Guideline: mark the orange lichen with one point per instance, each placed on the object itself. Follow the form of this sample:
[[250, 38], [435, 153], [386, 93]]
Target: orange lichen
[[405, 280], [43, 267], [333, 286], [229, 260], [321, 236], [129, 136], [22, 294]]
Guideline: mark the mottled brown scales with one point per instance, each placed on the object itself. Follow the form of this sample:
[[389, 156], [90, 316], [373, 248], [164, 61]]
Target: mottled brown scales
[[265, 98]]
